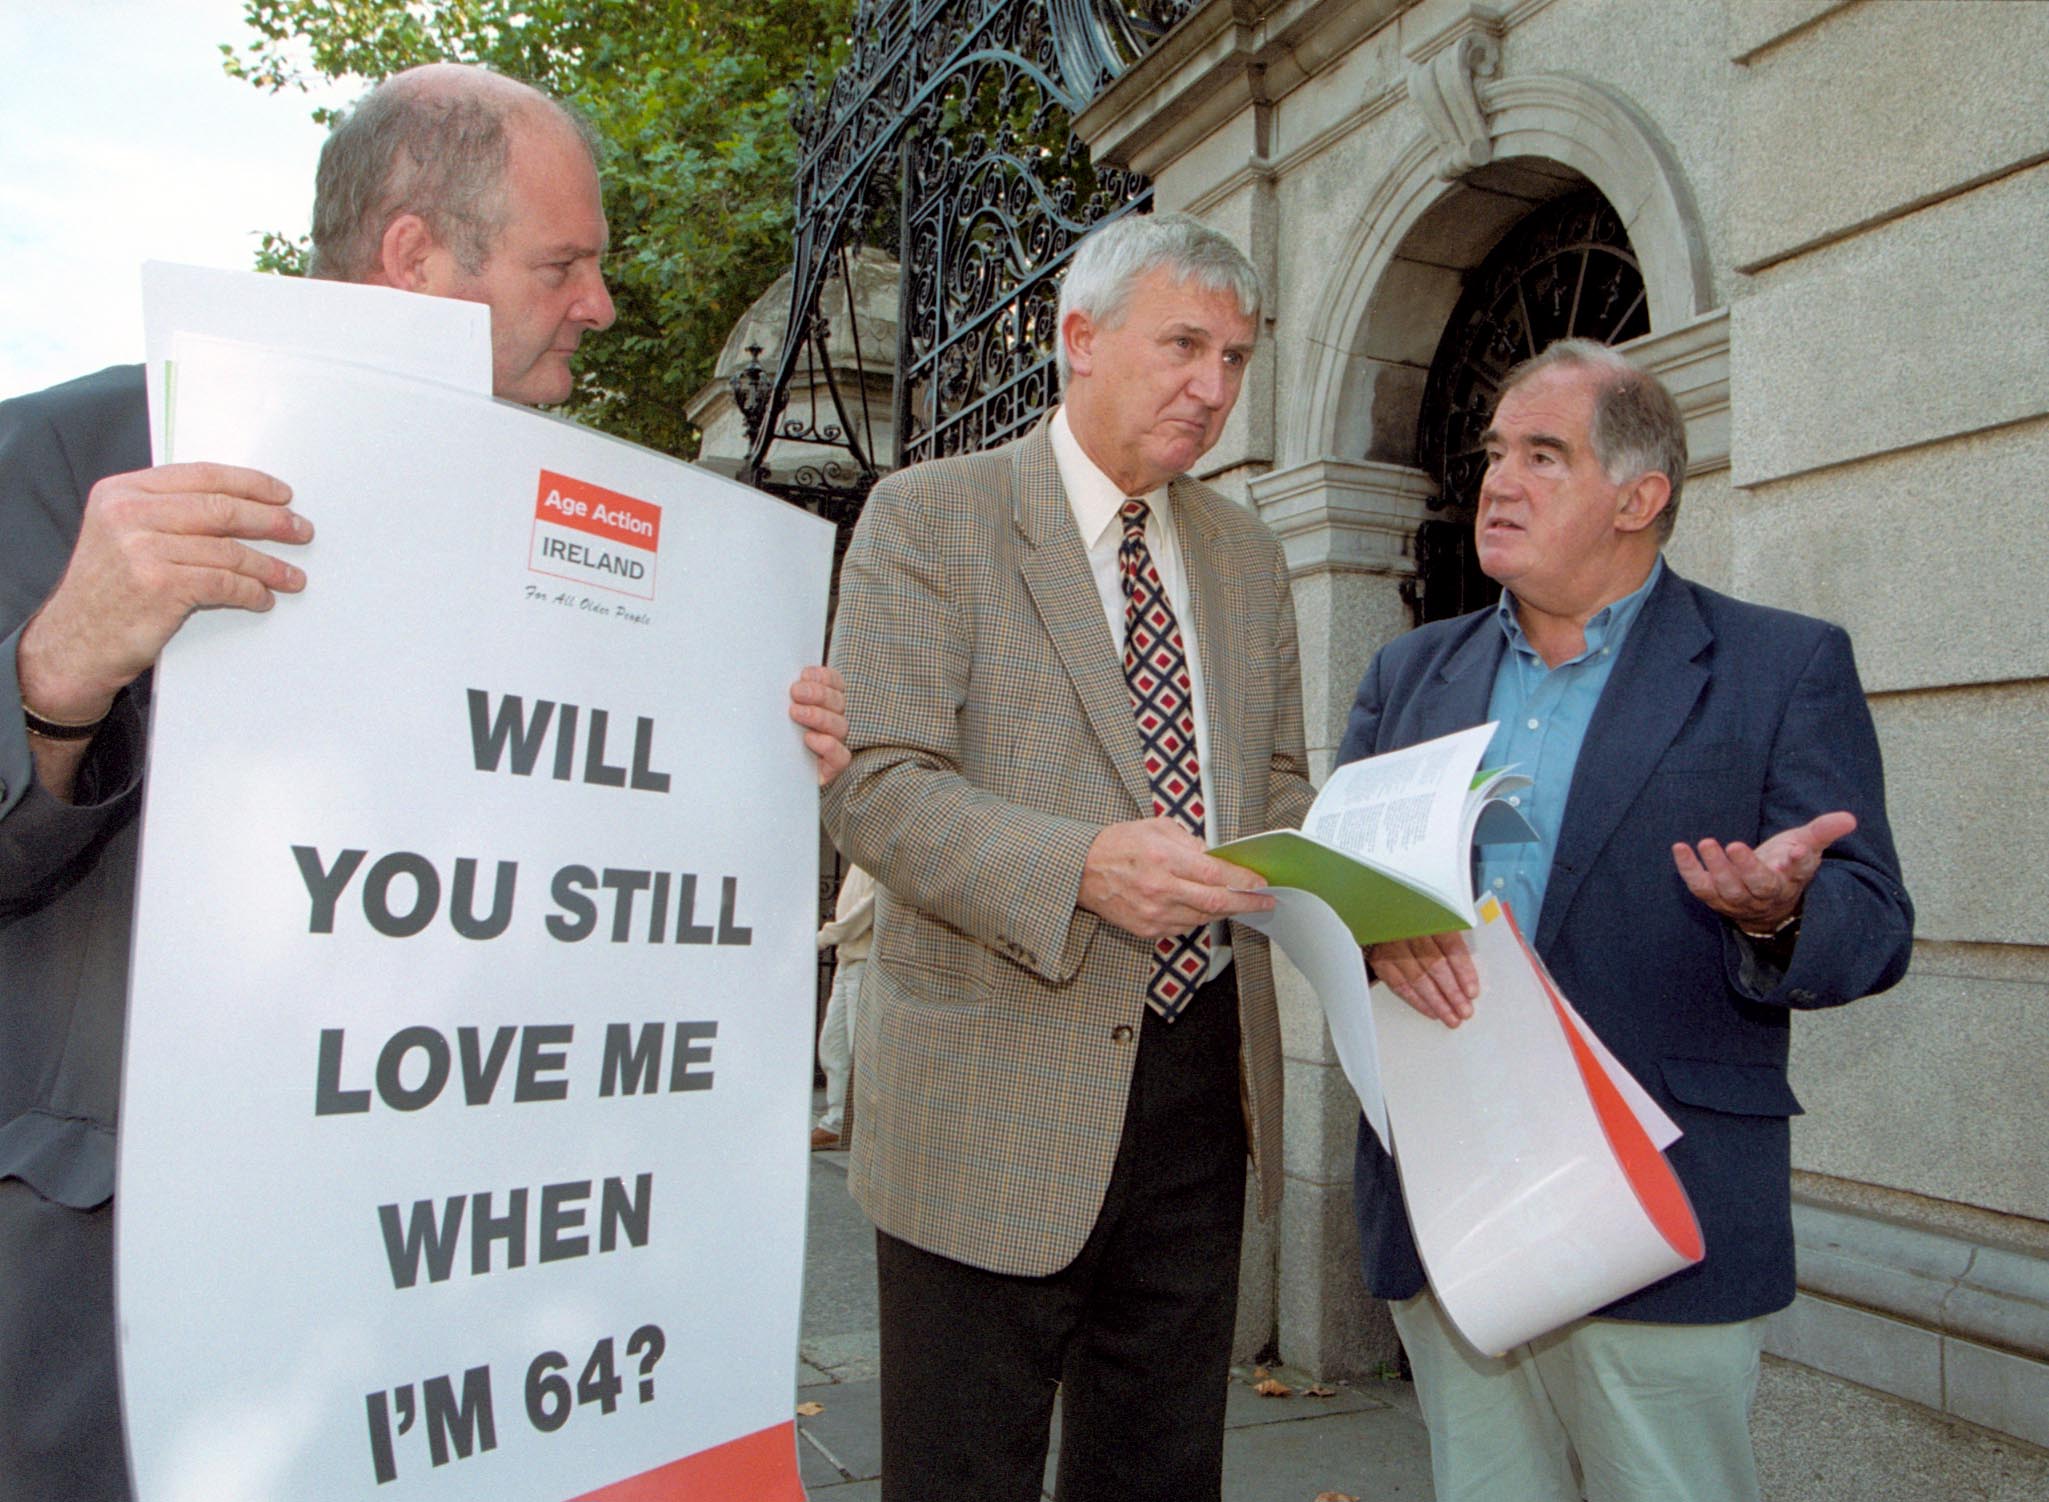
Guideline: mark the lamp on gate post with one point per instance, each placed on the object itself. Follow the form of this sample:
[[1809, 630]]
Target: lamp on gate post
[[750, 392]]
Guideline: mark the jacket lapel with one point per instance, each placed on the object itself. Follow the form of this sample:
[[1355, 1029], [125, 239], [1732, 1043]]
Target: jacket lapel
[[1465, 683], [1216, 599], [1056, 572], [1656, 682]]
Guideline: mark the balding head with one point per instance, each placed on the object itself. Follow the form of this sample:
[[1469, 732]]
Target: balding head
[[432, 142], [456, 182]]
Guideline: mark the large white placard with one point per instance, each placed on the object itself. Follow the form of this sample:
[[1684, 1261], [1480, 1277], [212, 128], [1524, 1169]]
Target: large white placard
[[468, 1050], [433, 338]]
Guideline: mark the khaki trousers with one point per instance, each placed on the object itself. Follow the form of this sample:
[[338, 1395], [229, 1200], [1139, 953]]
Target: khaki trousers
[[1634, 1412]]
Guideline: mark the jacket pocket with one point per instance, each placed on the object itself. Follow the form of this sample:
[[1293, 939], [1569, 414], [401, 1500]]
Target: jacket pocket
[[1733, 1089], [65, 1159]]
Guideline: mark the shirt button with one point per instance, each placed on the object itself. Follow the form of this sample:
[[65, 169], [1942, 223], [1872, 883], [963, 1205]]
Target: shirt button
[[1121, 1033], [1532, 725], [1515, 800], [1499, 883]]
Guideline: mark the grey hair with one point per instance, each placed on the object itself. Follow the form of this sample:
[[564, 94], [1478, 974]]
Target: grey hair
[[1636, 429], [1112, 260], [435, 146]]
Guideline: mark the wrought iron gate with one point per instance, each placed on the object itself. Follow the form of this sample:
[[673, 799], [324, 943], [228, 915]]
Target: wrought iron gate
[[946, 139]]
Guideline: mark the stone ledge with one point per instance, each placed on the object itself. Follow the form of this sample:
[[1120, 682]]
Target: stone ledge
[[1345, 515], [1955, 1287], [1992, 1388], [1693, 362], [1222, 58], [1889, 1355], [1955, 1325]]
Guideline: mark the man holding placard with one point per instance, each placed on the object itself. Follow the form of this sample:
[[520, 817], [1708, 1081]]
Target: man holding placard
[[445, 180], [1713, 854]]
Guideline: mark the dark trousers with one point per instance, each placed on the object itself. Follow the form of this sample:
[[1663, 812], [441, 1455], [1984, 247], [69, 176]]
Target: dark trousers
[[1134, 1334]]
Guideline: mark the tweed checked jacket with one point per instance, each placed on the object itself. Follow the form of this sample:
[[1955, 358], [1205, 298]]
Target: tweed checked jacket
[[992, 738]]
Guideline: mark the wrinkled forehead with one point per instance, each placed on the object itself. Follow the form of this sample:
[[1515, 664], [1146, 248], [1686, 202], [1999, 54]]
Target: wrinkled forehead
[[1559, 400], [1163, 300], [552, 201]]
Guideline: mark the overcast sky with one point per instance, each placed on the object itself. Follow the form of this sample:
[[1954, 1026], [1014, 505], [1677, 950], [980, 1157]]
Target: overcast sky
[[122, 141]]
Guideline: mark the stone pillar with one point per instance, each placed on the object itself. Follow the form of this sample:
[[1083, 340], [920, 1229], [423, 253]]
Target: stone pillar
[[1348, 528]]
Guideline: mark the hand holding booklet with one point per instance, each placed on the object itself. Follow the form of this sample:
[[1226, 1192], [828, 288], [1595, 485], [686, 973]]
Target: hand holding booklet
[[1531, 1163]]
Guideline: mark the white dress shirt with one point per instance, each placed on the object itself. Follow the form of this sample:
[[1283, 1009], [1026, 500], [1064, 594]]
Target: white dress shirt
[[1095, 500]]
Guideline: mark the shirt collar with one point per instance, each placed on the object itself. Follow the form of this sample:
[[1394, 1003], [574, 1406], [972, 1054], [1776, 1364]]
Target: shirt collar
[[1604, 630], [1093, 495]]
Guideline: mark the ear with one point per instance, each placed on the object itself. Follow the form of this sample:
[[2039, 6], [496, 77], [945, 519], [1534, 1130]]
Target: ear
[[408, 256], [1078, 333], [1641, 502]]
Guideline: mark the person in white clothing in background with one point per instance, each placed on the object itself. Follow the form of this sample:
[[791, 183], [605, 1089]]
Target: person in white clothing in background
[[853, 930]]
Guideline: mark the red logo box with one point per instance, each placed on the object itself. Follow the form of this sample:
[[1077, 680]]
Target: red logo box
[[602, 513]]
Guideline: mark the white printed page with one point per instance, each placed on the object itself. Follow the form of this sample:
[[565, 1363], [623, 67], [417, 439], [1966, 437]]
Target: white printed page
[[1316, 941], [1523, 1213], [1406, 810]]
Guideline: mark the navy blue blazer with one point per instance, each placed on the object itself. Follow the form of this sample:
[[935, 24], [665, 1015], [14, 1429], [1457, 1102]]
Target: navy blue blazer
[[67, 893], [1720, 719]]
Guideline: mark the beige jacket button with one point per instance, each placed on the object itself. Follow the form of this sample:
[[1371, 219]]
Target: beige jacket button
[[1121, 1033]]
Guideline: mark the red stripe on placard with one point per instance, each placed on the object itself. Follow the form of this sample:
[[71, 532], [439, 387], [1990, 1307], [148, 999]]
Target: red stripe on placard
[[1649, 1173], [598, 511], [758, 1467]]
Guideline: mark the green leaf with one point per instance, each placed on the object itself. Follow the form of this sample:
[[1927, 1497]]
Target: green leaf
[[692, 102]]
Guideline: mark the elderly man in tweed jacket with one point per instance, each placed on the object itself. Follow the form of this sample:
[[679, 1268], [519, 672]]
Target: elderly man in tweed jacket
[[1066, 1052]]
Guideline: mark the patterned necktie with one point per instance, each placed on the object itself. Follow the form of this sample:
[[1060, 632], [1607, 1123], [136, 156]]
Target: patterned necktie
[[1156, 668]]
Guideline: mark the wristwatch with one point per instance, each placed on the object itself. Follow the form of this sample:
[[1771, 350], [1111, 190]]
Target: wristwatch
[[59, 730], [1785, 933]]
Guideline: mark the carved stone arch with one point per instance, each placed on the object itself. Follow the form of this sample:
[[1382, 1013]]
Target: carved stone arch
[[1606, 139], [1548, 135], [1335, 415]]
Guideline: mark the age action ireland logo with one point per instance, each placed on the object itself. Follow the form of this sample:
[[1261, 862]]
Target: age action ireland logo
[[593, 536]]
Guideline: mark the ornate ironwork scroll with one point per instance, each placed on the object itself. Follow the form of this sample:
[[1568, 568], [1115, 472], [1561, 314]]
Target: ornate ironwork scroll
[[1565, 271], [948, 126]]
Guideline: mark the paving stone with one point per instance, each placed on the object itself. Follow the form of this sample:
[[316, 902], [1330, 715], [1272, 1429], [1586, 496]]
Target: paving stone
[[848, 1491], [1245, 1407], [1377, 1454], [1820, 1439], [848, 1433], [815, 1468], [839, 1256]]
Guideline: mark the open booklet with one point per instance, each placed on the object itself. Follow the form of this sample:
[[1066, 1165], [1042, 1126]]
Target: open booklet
[[1388, 842]]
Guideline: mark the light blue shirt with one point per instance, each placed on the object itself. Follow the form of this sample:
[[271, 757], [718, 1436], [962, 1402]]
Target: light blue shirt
[[1543, 714]]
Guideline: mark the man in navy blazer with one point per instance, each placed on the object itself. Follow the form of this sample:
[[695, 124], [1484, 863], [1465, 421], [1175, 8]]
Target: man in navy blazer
[[1713, 854]]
